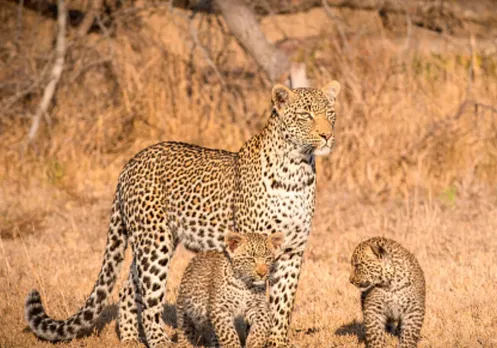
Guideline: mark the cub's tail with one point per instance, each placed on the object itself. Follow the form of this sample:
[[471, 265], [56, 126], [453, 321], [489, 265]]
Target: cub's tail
[[56, 330]]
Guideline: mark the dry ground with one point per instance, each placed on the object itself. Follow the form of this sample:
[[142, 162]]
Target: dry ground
[[453, 240]]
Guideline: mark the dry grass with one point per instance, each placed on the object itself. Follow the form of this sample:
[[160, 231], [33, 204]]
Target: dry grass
[[455, 246], [410, 164]]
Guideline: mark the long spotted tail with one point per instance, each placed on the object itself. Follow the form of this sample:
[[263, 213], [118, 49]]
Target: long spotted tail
[[56, 330]]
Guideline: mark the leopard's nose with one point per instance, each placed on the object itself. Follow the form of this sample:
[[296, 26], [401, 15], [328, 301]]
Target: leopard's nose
[[326, 136], [261, 270], [351, 279]]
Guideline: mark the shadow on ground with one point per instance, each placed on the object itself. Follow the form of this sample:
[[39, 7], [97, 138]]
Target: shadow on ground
[[353, 328]]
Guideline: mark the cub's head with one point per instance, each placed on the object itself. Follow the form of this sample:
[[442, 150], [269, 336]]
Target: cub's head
[[252, 255], [371, 265], [307, 116]]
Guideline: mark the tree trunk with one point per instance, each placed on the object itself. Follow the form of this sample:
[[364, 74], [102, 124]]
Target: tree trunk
[[244, 26], [58, 67]]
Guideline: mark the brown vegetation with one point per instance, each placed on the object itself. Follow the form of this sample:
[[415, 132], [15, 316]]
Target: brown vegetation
[[416, 157]]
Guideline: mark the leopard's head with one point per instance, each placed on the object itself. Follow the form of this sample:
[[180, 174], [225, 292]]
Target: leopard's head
[[307, 116], [252, 255], [371, 265]]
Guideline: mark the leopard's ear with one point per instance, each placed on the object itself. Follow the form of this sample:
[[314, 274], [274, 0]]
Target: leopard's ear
[[379, 251], [332, 89], [281, 96], [233, 240], [276, 240]]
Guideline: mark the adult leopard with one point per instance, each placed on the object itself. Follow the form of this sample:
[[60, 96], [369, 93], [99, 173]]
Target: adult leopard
[[174, 192]]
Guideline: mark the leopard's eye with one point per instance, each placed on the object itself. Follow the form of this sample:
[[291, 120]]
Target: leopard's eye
[[304, 116]]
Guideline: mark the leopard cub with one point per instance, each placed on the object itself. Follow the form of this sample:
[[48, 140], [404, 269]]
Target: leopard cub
[[393, 291], [218, 286]]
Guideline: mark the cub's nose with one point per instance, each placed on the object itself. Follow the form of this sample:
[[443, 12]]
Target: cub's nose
[[326, 136], [261, 270], [351, 279]]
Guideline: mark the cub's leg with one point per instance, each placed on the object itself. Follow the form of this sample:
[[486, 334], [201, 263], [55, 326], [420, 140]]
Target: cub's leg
[[283, 287], [187, 332], [374, 320], [224, 328], [129, 297], [259, 319], [410, 328], [153, 251]]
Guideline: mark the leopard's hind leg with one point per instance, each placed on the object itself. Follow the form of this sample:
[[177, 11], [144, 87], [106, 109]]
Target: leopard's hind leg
[[129, 299], [153, 253]]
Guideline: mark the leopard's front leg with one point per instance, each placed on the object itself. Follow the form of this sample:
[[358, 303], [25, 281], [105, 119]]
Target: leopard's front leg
[[284, 281]]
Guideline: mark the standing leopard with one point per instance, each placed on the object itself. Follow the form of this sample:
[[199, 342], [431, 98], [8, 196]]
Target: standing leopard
[[174, 192], [218, 286], [392, 288]]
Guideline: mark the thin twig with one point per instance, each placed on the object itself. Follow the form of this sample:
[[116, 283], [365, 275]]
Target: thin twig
[[210, 62], [60, 53], [338, 23], [409, 25], [471, 69], [196, 43], [19, 22]]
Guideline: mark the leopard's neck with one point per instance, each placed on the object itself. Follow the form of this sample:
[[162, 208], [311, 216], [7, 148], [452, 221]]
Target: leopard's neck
[[277, 151], [274, 187]]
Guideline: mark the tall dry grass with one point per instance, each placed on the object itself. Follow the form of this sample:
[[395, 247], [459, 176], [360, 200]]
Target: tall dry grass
[[400, 125]]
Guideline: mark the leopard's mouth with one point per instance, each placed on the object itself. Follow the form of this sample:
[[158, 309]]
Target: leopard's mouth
[[363, 286]]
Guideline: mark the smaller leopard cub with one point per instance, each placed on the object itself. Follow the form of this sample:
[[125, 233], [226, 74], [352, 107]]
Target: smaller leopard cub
[[393, 291], [218, 286]]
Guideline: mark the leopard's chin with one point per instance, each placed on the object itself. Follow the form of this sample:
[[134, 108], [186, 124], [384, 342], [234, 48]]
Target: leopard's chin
[[322, 151], [259, 282]]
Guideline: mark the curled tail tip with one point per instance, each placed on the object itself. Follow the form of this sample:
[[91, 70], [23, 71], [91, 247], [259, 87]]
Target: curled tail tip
[[33, 295], [33, 301], [33, 309]]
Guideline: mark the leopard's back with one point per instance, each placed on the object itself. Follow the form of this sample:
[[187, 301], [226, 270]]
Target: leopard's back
[[185, 188]]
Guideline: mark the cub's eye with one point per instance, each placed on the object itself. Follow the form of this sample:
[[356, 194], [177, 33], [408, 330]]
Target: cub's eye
[[268, 260]]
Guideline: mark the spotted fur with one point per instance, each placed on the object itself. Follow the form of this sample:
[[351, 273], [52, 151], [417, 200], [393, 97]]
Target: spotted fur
[[219, 286], [393, 291], [174, 192]]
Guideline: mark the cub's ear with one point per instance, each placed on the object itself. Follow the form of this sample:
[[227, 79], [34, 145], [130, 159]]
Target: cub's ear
[[276, 240], [281, 97], [379, 251], [233, 240], [332, 89]]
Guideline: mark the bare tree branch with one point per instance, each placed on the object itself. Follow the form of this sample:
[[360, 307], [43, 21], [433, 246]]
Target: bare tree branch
[[60, 53], [298, 76], [89, 18]]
